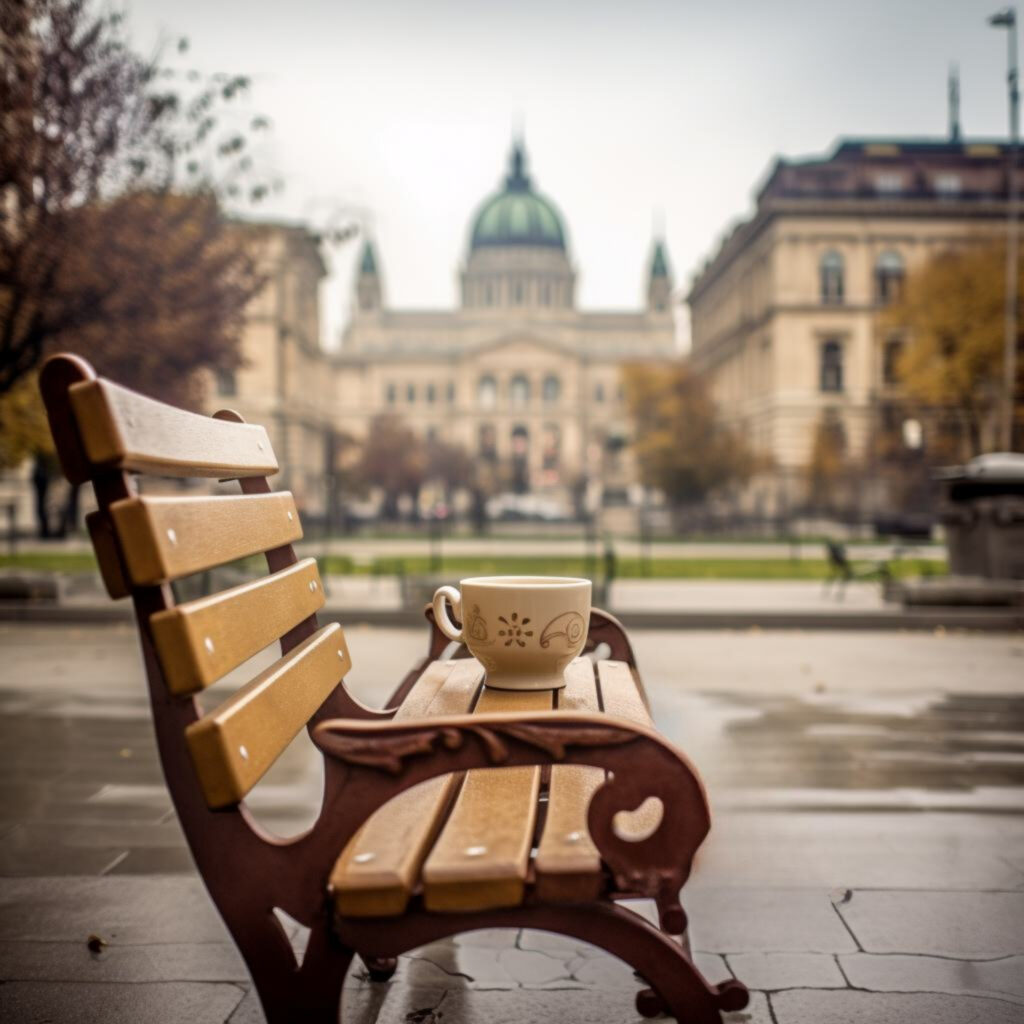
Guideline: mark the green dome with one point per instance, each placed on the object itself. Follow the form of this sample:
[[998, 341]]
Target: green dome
[[517, 215]]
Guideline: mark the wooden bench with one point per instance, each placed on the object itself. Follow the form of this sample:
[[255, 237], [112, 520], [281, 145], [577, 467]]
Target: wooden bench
[[455, 808]]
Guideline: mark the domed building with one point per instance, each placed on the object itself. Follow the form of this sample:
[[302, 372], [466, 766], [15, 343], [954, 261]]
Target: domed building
[[519, 376]]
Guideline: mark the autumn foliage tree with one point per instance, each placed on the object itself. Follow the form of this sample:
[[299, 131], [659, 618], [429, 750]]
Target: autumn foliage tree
[[951, 311], [392, 459], [681, 444], [112, 240]]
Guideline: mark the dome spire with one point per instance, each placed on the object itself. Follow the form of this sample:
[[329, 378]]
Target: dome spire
[[659, 278], [518, 180]]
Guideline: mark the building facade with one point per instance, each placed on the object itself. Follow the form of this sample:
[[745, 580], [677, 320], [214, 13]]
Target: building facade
[[785, 316], [285, 381], [517, 375]]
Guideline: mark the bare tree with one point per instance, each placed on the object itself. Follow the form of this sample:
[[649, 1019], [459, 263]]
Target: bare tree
[[111, 169]]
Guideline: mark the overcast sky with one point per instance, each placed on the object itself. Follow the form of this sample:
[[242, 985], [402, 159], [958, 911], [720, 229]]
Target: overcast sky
[[400, 112]]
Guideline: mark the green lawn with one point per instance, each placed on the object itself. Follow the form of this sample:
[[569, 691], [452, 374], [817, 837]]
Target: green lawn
[[655, 568]]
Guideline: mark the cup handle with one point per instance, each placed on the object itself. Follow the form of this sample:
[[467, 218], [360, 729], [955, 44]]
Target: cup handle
[[444, 623]]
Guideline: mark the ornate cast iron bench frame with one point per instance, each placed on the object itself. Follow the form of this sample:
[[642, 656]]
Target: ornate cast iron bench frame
[[107, 435]]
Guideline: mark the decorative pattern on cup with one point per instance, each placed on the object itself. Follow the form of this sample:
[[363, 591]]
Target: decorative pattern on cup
[[515, 630], [476, 628], [569, 626]]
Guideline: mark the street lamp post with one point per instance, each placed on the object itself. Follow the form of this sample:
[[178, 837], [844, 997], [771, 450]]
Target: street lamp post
[[1008, 19]]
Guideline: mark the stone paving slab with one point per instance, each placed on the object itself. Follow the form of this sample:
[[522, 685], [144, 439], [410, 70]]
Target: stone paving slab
[[859, 850], [727, 921], [1003, 978], [118, 1004], [151, 962], [122, 911], [965, 925], [849, 1007], [774, 971]]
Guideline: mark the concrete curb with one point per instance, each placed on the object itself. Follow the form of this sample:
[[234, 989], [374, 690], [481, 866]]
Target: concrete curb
[[924, 618]]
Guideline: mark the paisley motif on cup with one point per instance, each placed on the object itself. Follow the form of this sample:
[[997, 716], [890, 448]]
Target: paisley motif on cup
[[476, 628], [569, 627]]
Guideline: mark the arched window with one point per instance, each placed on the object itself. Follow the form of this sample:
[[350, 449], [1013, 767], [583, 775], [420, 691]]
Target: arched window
[[831, 268], [889, 273], [519, 390], [520, 459], [831, 376], [551, 389], [487, 392]]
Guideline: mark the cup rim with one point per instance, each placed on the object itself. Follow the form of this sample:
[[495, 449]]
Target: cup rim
[[524, 582]]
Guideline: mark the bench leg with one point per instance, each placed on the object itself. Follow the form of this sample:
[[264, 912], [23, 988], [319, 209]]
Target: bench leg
[[290, 992], [677, 987]]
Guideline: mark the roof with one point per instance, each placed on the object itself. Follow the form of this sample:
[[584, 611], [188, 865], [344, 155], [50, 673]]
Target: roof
[[517, 216], [874, 177]]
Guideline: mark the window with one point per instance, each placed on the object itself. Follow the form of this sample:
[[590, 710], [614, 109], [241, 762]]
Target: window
[[888, 277], [487, 392], [390, 394], [831, 269], [545, 294], [520, 459], [891, 361], [519, 390], [226, 383], [599, 392], [488, 294], [517, 293], [947, 184], [450, 392], [431, 394], [889, 183], [832, 365], [410, 393], [552, 389]]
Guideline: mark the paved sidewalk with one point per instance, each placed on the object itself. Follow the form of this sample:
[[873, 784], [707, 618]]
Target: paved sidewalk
[[641, 604], [866, 863]]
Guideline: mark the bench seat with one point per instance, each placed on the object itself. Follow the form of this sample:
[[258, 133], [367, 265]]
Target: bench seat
[[494, 836]]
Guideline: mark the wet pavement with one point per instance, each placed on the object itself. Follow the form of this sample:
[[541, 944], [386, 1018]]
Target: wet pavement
[[866, 861]]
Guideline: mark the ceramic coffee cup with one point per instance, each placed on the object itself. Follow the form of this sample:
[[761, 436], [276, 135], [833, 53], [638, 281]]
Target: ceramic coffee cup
[[524, 630]]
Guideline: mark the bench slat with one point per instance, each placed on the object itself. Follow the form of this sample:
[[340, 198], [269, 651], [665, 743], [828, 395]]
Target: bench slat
[[621, 695], [234, 745], [200, 641], [166, 538], [482, 857], [379, 868], [567, 864], [120, 429]]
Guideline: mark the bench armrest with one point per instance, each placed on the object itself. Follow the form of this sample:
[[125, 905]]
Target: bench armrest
[[368, 763]]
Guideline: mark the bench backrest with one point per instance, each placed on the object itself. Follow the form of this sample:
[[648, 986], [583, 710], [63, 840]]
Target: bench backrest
[[110, 436]]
